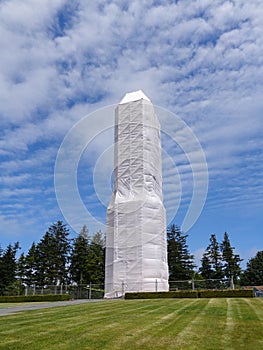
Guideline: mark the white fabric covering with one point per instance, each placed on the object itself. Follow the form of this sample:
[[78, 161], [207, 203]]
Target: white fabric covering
[[136, 249], [134, 96]]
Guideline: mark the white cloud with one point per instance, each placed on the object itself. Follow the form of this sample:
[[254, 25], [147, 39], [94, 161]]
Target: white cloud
[[14, 180], [202, 60]]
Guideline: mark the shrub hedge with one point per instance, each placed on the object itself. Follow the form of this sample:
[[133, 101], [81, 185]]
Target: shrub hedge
[[32, 298], [236, 293], [227, 293], [155, 295]]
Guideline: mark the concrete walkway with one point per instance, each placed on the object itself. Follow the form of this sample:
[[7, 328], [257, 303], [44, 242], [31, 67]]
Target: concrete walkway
[[36, 306]]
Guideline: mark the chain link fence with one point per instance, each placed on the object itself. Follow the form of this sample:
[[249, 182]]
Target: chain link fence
[[96, 291], [210, 284], [83, 291]]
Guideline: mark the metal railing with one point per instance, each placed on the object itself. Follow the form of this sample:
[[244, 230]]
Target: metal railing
[[83, 291], [96, 291]]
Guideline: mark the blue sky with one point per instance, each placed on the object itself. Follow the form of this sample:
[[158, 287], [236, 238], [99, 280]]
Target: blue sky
[[200, 60]]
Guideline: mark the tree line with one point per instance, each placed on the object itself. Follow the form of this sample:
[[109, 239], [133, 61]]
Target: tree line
[[57, 259], [218, 262]]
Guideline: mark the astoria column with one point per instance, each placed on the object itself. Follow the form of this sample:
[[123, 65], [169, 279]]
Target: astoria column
[[136, 247]]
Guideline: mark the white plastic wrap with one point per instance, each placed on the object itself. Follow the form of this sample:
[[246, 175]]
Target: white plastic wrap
[[136, 249]]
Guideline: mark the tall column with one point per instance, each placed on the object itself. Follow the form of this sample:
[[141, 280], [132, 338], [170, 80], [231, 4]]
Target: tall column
[[136, 248]]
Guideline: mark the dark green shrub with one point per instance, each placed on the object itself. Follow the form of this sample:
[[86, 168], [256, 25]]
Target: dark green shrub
[[228, 293], [157, 295], [33, 298]]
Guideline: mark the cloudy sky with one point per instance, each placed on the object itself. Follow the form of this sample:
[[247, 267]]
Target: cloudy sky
[[200, 63]]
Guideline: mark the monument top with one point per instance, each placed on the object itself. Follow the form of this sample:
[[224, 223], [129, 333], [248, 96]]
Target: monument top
[[134, 96]]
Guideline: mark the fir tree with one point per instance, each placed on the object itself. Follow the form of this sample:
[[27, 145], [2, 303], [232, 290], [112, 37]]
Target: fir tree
[[21, 268], [78, 259], [180, 261], [96, 259], [231, 261], [31, 263], [253, 275], [51, 256], [206, 268], [8, 268], [212, 267]]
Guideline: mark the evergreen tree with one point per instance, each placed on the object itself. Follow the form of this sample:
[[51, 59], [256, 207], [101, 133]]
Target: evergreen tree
[[180, 261], [212, 267], [8, 268], [31, 263], [253, 275], [21, 269], [45, 261], [206, 268], [78, 259], [62, 248], [96, 259], [231, 266], [51, 256]]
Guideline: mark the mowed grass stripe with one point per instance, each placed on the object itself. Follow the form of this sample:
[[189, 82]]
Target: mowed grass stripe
[[198, 326], [245, 319], [77, 312], [165, 318], [83, 324], [258, 309], [229, 326], [72, 319], [125, 314], [138, 324], [134, 326]]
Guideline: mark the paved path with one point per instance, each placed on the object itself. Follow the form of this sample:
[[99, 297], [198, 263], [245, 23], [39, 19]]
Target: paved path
[[36, 306]]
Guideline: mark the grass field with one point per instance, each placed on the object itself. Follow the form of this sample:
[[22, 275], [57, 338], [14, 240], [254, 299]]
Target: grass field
[[139, 324], [5, 305]]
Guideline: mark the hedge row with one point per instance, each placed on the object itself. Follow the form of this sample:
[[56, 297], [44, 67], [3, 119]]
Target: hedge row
[[227, 293], [237, 293], [32, 298], [155, 295]]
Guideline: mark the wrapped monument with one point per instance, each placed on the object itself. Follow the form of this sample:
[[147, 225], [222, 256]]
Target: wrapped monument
[[136, 249]]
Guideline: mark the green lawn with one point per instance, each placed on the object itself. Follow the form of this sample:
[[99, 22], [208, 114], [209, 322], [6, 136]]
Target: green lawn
[[139, 324], [5, 305]]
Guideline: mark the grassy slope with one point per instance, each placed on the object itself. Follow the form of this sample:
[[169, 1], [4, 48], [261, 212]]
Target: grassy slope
[[139, 324]]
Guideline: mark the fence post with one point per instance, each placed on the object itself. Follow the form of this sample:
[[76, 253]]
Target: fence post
[[156, 285], [90, 291], [26, 291], [61, 288], [232, 283], [193, 284], [122, 289]]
